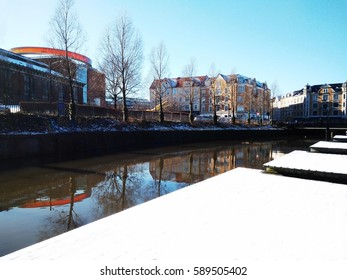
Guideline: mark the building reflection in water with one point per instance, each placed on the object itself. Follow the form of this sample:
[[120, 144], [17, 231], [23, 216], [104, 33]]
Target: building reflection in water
[[38, 203]]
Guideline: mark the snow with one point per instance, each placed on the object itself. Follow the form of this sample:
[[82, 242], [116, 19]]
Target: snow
[[332, 147], [313, 162], [27, 64], [52, 126], [340, 138]]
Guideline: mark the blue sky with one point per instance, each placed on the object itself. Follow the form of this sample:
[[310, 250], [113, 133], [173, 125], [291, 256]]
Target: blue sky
[[290, 42]]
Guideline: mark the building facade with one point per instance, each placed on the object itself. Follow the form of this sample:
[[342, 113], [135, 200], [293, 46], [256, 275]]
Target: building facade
[[312, 104], [26, 80], [234, 95], [93, 91]]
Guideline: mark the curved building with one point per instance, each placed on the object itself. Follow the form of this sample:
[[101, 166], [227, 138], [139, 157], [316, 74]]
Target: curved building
[[27, 82], [82, 70], [50, 52]]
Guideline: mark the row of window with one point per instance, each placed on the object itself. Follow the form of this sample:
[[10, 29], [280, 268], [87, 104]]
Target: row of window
[[241, 89], [325, 97]]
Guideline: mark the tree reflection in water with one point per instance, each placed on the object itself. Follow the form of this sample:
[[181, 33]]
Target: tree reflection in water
[[62, 219], [117, 191]]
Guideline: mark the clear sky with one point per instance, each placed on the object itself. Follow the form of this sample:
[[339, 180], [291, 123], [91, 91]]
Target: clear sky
[[290, 42]]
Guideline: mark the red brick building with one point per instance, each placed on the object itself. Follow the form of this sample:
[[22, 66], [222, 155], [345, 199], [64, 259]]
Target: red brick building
[[93, 90], [26, 80]]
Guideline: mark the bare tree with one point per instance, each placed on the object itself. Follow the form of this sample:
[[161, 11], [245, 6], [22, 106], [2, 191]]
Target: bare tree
[[249, 100], [213, 92], [122, 58], [66, 34], [274, 90], [214, 98], [159, 60], [108, 66], [189, 71], [233, 96]]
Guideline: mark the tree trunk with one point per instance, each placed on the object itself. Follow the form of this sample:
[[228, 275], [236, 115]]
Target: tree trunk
[[125, 109], [191, 116], [161, 113]]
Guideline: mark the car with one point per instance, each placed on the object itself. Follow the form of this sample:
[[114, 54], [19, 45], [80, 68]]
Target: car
[[225, 119], [4, 109], [204, 118]]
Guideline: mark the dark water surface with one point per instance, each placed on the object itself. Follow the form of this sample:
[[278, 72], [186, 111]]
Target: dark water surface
[[37, 203]]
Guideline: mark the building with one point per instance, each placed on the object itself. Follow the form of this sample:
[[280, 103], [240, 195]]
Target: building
[[235, 94], [312, 104], [93, 92], [23, 79]]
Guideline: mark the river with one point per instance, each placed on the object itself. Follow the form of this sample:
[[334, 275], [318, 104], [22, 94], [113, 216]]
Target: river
[[39, 202]]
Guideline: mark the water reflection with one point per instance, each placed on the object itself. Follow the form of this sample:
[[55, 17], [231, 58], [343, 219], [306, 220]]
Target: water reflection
[[40, 202]]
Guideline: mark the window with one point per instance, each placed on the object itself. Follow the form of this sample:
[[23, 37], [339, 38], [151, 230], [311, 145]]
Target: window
[[241, 89], [240, 99], [325, 97], [336, 104], [174, 91], [315, 105], [314, 97], [336, 96], [240, 108]]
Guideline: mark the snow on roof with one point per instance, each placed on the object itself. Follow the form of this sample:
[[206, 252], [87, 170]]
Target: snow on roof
[[26, 62]]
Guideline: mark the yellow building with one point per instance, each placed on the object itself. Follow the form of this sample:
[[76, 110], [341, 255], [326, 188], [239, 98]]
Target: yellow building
[[312, 104], [232, 95]]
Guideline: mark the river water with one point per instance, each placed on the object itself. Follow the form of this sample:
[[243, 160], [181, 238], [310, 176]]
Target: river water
[[40, 202]]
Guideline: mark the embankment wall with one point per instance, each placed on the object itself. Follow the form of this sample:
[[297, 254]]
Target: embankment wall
[[86, 144]]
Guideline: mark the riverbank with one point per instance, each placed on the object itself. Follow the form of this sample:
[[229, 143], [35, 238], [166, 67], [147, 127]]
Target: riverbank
[[96, 143], [30, 137]]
